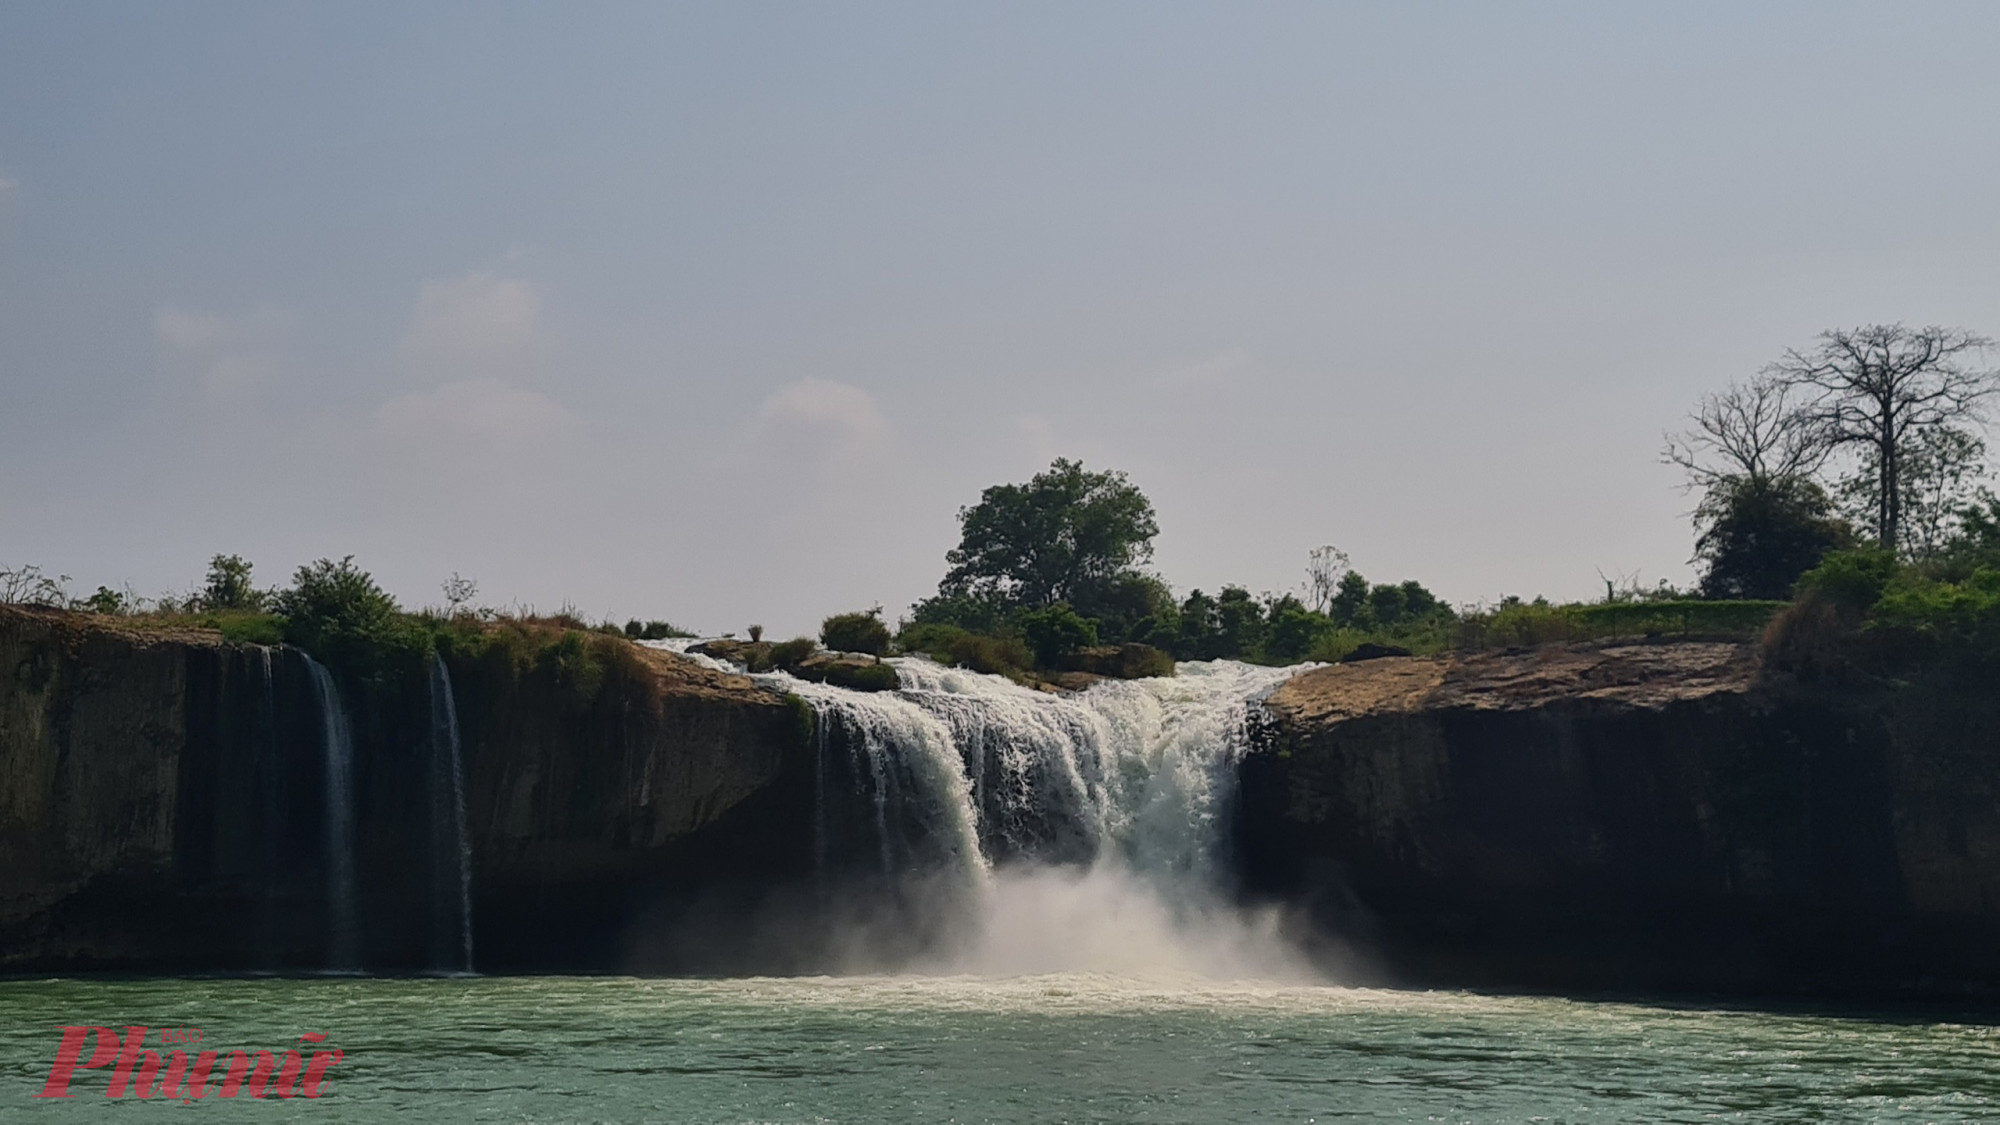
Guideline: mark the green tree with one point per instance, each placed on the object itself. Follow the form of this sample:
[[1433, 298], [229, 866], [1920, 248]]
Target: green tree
[[1350, 599], [1939, 479], [1200, 636], [335, 610], [1239, 621], [1293, 630], [1419, 602], [107, 600], [1061, 537], [1055, 632], [1977, 538], [1385, 605], [1760, 535], [983, 612], [228, 585], [1131, 607]]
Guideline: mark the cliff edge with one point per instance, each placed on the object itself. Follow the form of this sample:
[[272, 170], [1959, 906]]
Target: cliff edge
[[164, 802], [1632, 817]]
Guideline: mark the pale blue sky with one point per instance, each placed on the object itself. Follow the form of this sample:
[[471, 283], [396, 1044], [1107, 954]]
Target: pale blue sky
[[720, 312]]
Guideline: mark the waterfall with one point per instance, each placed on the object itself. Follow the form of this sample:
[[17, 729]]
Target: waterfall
[[1084, 830], [915, 777], [268, 778], [451, 851], [338, 743]]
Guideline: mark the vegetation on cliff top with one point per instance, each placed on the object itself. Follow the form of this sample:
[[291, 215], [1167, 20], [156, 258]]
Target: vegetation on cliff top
[[1848, 474], [1871, 436], [1004, 606]]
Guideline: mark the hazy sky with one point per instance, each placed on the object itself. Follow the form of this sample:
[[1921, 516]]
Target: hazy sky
[[720, 312]]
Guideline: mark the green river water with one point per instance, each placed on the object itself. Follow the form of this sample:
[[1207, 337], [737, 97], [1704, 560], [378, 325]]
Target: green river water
[[1072, 1047]]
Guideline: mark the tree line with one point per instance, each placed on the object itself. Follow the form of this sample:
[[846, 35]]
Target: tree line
[[1053, 567]]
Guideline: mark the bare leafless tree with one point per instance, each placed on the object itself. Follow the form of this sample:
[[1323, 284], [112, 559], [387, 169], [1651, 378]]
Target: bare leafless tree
[[458, 593], [1754, 433], [27, 585], [1882, 387], [1325, 567]]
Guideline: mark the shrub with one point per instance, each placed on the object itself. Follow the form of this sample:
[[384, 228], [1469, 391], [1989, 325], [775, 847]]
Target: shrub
[[653, 630], [250, 627], [1056, 632], [1853, 578], [790, 654], [1131, 661], [1810, 638], [859, 677], [1687, 617], [931, 638], [108, 601], [575, 663], [1333, 644], [950, 644], [1004, 656], [1962, 618], [856, 632], [1517, 623]]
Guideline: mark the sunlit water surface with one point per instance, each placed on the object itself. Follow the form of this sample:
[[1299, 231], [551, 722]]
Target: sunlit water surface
[[1072, 1047]]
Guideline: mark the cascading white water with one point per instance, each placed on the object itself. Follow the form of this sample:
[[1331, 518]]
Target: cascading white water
[[451, 850], [914, 770], [1085, 829], [339, 747]]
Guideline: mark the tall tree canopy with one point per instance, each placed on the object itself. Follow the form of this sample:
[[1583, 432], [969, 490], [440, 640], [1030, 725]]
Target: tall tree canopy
[[1891, 392], [1761, 533], [1064, 536], [1762, 521], [1902, 405]]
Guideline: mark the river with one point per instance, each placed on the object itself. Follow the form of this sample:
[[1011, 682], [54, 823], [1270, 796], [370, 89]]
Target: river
[[1065, 1047]]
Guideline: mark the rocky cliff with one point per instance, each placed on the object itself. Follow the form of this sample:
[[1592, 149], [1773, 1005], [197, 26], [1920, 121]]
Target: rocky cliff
[[163, 804], [1633, 817], [1638, 817]]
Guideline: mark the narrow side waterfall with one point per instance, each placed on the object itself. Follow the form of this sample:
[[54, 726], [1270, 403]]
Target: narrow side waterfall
[[338, 743], [268, 776], [451, 850], [1075, 832]]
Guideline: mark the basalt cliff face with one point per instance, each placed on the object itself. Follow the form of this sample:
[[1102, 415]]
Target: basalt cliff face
[[163, 805], [1635, 817]]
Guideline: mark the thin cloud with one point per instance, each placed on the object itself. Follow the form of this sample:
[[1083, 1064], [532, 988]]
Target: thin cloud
[[478, 325], [839, 422], [233, 354], [472, 414]]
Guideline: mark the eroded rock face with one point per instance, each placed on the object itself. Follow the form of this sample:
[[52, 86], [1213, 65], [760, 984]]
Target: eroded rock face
[[594, 830], [156, 799], [163, 805], [1629, 817]]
